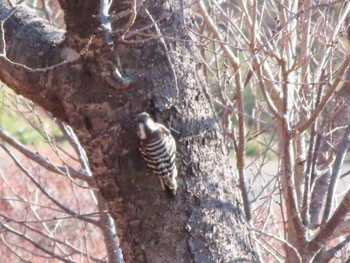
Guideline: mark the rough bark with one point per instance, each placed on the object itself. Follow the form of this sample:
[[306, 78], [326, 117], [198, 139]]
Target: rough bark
[[204, 223]]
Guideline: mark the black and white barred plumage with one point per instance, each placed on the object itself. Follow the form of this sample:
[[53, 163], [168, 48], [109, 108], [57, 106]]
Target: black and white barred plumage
[[158, 148]]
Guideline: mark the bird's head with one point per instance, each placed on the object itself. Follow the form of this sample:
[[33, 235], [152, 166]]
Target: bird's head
[[146, 125]]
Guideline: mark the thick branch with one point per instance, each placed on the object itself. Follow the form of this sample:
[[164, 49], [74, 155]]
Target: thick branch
[[41, 37], [344, 146], [23, 67], [333, 223], [329, 254]]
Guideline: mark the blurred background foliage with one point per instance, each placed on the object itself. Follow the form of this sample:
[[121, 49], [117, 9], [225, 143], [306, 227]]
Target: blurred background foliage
[[27, 122]]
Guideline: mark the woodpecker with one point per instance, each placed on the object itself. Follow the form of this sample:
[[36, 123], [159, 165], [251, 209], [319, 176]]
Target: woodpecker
[[158, 149]]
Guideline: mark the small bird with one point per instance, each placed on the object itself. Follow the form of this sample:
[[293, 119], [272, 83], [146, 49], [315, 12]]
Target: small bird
[[158, 149]]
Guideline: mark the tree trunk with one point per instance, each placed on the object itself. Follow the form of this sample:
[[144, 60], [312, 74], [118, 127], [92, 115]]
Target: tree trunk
[[204, 222]]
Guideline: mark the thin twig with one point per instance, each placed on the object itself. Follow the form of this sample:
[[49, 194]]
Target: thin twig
[[35, 244], [44, 162], [316, 113], [49, 237], [34, 181], [210, 23], [285, 242], [132, 18], [159, 33]]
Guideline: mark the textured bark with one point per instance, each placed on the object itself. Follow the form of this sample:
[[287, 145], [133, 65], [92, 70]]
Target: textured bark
[[204, 223]]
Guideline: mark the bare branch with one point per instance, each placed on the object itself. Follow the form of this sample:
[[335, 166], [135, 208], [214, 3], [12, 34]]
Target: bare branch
[[31, 177], [241, 152], [36, 157], [282, 241], [326, 256], [316, 113], [132, 18], [35, 244], [159, 33], [107, 224], [344, 146], [105, 22], [231, 57], [327, 230], [51, 238]]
